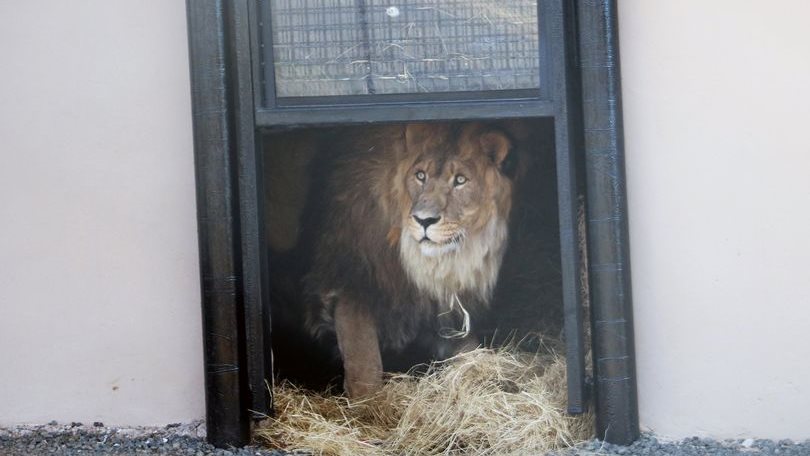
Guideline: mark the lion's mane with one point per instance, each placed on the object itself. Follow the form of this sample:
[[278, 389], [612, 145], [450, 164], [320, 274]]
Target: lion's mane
[[364, 254]]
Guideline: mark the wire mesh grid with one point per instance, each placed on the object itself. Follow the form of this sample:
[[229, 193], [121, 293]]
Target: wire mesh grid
[[355, 47]]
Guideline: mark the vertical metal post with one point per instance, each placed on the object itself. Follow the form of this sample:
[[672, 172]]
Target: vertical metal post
[[226, 393], [608, 244], [241, 30], [568, 142]]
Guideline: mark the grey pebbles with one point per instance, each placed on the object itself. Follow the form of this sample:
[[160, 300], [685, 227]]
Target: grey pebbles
[[96, 439], [649, 445], [188, 440]]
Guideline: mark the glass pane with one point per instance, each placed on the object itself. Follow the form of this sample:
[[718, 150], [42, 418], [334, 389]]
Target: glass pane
[[356, 47]]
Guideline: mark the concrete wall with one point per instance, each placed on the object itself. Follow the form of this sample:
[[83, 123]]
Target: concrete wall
[[716, 104], [99, 293]]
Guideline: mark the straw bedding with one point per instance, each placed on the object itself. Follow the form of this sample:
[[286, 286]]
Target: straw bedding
[[483, 402]]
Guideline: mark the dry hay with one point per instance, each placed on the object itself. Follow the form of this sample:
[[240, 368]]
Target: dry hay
[[483, 402]]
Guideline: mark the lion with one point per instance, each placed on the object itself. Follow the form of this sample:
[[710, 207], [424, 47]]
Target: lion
[[415, 226]]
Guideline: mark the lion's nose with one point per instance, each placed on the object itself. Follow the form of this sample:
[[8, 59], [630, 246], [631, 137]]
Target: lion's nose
[[427, 221]]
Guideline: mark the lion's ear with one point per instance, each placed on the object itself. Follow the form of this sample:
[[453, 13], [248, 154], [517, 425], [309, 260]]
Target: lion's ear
[[497, 147]]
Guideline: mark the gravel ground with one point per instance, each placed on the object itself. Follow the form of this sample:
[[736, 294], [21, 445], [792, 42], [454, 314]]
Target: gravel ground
[[188, 440], [96, 439], [648, 445]]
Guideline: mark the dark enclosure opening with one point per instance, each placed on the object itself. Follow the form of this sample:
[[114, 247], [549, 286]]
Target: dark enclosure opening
[[527, 300], [269, 76]]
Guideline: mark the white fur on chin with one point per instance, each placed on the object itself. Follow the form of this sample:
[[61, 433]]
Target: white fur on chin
[[433, 249], [468, 265]]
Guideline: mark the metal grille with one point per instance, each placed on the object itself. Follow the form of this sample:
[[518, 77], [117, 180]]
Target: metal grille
[[356, 47]]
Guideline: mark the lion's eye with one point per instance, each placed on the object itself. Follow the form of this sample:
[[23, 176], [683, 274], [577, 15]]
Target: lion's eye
[[421, 176], [460, 180]]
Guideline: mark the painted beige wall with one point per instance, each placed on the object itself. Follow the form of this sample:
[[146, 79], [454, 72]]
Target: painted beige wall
[[716, 108], [99, 295]]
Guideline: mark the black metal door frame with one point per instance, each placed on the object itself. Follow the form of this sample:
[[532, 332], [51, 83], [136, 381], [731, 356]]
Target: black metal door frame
[[228, 110]]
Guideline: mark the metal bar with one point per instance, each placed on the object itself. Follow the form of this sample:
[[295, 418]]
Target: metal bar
[[404, 112], [248, 167], [526, 95], [608, 244], [265, 59], [218, 226], [568, 143]]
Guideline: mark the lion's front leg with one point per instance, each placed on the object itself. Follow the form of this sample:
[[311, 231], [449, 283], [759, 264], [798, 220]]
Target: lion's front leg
[[359, 347]]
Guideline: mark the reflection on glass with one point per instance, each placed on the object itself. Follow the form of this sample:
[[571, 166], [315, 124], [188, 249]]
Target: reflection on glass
[[356, 47]]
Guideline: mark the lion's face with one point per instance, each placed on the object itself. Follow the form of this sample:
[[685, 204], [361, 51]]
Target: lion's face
[[456, 185]]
